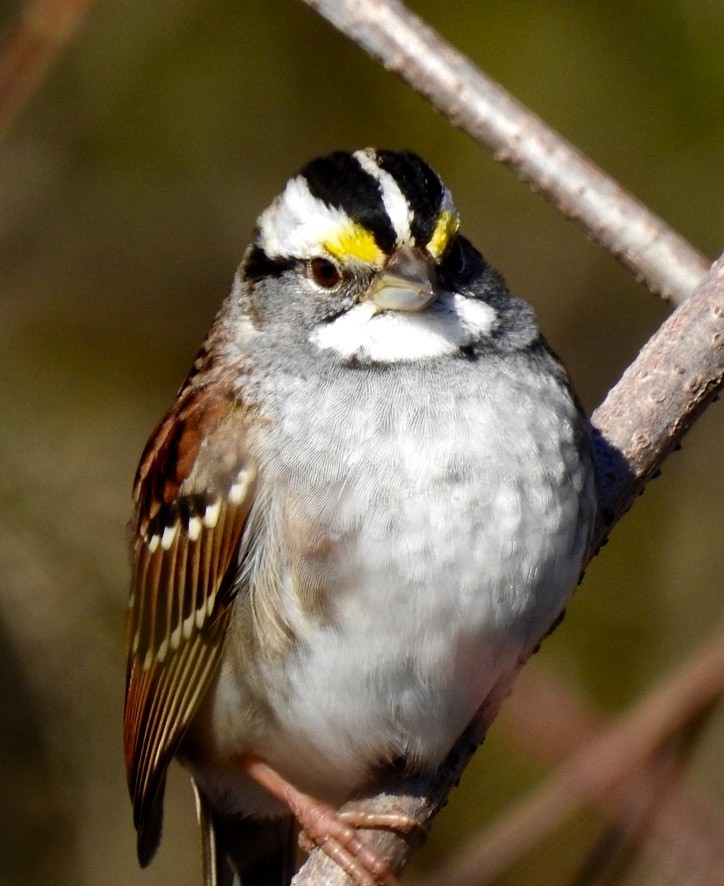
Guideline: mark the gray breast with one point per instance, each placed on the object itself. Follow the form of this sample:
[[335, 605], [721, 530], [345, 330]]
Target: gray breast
[[452, 470], [417, 530]]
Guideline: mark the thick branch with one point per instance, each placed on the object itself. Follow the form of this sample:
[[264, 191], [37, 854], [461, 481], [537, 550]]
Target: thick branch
[[405, 45], [674, 378], [676, 375]]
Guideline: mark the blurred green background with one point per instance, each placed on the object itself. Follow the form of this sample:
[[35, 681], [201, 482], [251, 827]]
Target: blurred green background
[[128, 190]]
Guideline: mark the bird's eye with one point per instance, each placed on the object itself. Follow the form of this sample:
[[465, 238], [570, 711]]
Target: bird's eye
[[324, 272], [453, 260]]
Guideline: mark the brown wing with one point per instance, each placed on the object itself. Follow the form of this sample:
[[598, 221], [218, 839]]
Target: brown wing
[[193, 492]]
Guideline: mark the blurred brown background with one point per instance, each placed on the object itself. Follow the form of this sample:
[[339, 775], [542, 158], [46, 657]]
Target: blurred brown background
[[128, 190]]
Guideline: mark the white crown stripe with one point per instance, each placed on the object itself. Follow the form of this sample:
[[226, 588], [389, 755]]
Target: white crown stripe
[[298, 222], [396, 206]]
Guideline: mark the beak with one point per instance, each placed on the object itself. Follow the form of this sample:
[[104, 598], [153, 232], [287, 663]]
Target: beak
[[407, 283]]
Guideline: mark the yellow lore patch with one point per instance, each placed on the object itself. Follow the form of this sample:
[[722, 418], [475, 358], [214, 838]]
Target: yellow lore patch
[[354, 241], [445, 229]]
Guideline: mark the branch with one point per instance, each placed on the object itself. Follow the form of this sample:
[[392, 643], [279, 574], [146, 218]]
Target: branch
[[658, 809], [31, 46], [626, 771], [405, 45], [676, 375]]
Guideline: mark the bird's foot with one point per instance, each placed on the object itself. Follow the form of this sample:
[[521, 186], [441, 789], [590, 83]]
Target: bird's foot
[[332, 831]]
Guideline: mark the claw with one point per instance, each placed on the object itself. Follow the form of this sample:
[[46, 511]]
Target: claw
[[333, 832]]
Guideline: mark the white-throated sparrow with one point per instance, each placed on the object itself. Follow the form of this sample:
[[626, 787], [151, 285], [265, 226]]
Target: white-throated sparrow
[[370, 500]]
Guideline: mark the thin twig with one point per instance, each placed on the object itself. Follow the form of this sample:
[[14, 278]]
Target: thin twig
[[405, 45], [600, 767], [658, 809], [678, 373], [683, 831], [30, 47]]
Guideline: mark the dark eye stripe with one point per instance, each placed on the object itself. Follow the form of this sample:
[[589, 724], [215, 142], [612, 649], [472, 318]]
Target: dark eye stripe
[[339, 181], [258, 264], [420, 186]]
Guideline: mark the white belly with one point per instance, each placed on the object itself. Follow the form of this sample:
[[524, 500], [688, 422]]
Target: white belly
[[445, 538]]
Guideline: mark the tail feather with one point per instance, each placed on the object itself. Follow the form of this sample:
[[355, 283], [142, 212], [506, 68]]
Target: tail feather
[[216, 870], [239, 851]]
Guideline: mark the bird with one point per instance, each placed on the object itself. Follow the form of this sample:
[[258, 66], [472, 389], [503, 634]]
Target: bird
[[370, 500]]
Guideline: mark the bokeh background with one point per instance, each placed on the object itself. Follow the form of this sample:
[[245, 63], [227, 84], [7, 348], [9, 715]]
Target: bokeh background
[[128, 189]]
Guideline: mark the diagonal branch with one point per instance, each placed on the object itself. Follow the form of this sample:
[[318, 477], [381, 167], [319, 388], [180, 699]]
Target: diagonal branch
[[678, 372], [676, 375], [625, 755], [664, 815], [43, 30], [408, 47]]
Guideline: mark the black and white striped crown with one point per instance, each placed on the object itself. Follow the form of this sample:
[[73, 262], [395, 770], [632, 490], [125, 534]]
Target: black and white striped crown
[[359, 206]]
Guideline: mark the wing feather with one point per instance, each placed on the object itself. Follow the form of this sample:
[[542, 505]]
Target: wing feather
[[185, 551]]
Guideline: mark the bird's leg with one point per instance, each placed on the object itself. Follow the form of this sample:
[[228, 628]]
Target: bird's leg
[[325, 827], [384, 821]]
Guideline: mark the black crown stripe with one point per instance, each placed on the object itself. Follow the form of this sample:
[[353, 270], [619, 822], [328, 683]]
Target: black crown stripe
[[339, 181], [420, 186]]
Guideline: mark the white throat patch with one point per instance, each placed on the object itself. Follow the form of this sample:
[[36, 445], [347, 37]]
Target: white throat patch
[[450, 323]]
